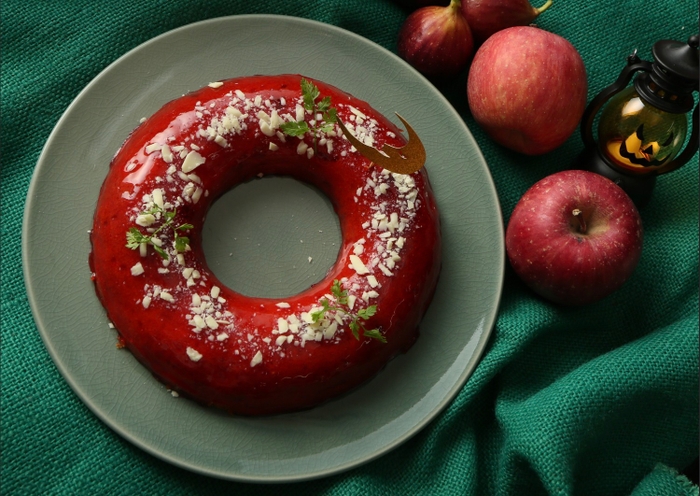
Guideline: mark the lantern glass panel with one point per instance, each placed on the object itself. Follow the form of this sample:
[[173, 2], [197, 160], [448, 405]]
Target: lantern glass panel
[[637, 136]]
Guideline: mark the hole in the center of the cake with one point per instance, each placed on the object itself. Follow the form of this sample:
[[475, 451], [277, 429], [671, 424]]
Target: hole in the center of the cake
[[272, 237]]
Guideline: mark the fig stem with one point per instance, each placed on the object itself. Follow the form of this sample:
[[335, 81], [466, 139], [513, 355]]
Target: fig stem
[[456, 4], [578, 215], [547, 4]]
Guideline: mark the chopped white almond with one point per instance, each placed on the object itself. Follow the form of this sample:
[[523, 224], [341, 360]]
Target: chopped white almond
[[166, 154], [158, 196], [153, 147], [194, 355], [137, 269], [192, 161], [145, 220], [164, 295], [257, 359], [329, 331], [197, 194], [357, 265], [266, 128], [385, 270]]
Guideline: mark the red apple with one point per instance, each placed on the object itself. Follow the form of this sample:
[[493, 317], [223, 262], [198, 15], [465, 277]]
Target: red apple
[[574, 237], [486, 17], [437, 40], [527, 88]]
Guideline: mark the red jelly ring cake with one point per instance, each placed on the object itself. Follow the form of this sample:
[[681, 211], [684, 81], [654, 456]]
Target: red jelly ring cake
[[248, 355]]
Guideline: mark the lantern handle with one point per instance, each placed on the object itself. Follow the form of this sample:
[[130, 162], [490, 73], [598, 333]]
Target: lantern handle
[[634, 64], [690, 148]]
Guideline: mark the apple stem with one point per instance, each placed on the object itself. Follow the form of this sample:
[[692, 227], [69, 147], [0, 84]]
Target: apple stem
[[581, 222], [547, 4]]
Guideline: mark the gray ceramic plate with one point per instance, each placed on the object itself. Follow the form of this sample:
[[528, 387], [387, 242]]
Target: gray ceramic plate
[[345, 432]]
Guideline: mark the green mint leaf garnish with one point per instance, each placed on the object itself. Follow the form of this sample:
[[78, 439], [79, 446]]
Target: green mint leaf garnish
[[331, 116], [317, 315], [326, 128], [355, 328], [310, 94], [341, 298], [160, 251], [366, 313], [340, 295], [295, 129], [324, 104], [374, 334], [153, 210], [135, 238], [181, 243]]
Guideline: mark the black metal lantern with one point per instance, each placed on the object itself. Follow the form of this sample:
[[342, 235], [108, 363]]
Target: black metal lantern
[[643, 127]]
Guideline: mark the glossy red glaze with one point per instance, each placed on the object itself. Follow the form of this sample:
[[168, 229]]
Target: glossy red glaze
[[299, 373]]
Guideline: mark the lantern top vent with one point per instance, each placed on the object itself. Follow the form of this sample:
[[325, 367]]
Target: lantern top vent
[[673, 76]]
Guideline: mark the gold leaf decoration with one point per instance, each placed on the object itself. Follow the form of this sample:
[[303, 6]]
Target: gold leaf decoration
[[405, 160]]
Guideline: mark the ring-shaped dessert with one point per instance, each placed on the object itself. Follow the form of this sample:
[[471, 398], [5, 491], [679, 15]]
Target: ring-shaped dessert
[[251, 355]]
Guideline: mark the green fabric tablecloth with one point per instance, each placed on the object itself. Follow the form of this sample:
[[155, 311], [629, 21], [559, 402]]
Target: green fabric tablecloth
[[595, 400]]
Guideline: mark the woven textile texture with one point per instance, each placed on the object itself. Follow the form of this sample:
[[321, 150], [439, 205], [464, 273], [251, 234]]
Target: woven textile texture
[[599, 400]]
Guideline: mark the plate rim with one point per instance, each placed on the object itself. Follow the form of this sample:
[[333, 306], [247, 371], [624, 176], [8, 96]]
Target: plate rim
[[489, 319]]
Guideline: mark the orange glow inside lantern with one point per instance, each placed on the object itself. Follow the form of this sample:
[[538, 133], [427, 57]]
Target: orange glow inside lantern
[[639, 137]]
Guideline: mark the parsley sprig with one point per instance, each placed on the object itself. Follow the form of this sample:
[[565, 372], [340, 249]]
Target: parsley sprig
[[341, 304], [310, 94], [134, 237]]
